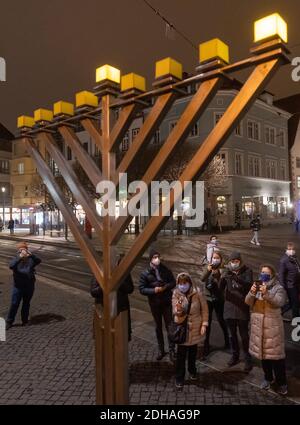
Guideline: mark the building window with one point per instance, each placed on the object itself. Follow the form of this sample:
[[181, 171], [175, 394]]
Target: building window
[[21, 168], [221, 163], [172, 125], [281, 138], [135, 132], [282, 170], [86, 146], [254, 166], [221, 205], [26, 192], [298, 182], [253, 130], [4, 167], [270, 135], [195, 130], [125, 142], [156, 138], [271, 167], [297, 162], [220, 101], [218, 116], [239, 163], [239, 129]]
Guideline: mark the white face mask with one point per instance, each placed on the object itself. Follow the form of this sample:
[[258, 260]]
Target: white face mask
[[156, 261], [290, 252]]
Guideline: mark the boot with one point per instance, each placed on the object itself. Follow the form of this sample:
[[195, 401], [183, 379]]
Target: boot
[[172, 355], [248, 364], [233, 361], [161, 353]]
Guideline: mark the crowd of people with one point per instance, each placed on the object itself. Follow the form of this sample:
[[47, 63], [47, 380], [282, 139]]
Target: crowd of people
[[247, 309]]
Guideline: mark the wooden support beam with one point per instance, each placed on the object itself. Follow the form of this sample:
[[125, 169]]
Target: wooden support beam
[[72, 181], [84, 243], [109, 260], [87, 163], [90, 126], [257, 81], [151, 124], [192, 113], [120, 128]]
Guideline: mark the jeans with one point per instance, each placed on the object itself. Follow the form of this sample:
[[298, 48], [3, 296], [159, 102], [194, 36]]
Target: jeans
[[277, 368], [162, 311], [218, 306], [19, 294], [182, 351], [294, 303], [255, 237], [243, 327]]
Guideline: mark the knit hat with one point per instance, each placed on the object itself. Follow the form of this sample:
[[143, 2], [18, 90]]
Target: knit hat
[[187, 277], [235, 255], [22, 245], [152, 253]]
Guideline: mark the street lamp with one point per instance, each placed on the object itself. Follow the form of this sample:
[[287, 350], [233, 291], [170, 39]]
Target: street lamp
[[3, 191]]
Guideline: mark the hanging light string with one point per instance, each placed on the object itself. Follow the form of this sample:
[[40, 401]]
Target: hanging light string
[[169, 24]]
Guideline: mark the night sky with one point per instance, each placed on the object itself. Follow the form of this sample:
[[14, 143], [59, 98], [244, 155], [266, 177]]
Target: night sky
[[52, 48]]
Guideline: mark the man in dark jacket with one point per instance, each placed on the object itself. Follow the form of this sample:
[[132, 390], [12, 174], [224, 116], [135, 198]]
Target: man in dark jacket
[[23, 267], [236, 284], [126, 288], [289, 276], [255, 226], [157, 282], [11, 226]]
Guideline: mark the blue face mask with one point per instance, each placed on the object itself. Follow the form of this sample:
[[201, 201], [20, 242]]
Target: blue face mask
[[184, 287], [265, 277], [235, 266]]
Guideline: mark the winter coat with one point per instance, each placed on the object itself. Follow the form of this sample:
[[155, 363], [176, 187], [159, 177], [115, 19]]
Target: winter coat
[[235, 287], [198, 314], [212, 282], [289, 271], [210, 249], [148, 282], [267, 331], [124, 290], [11, 224], [255, 225], [24, 270]]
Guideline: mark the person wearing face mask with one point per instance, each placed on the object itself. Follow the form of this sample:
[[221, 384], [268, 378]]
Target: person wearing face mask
[[289, 277], [212, 278], [23, 267], [211, 247], [235, 284], [157, 282], [189, 302], [265, 298], [255, 226]]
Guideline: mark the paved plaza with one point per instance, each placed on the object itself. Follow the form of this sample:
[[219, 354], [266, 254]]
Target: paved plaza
[[51, 361]]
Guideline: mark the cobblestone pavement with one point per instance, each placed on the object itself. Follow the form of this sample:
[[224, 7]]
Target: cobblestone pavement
[[51, 361]]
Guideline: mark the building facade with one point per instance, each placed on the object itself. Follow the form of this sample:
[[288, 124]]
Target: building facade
[[5, 165], [292, 105]]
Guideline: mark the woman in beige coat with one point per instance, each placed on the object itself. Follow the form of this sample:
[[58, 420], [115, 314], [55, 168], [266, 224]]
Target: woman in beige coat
[[184, 294], [265, 299]]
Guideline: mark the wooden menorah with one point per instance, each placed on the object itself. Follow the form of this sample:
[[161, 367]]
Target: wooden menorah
[[96, 108]]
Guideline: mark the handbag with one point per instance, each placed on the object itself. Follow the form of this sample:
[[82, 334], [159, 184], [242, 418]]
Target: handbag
[[178, 331]]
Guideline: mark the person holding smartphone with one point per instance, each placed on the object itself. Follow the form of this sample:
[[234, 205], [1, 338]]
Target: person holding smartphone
[[23, 267], [265, 298], [215, 298]]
